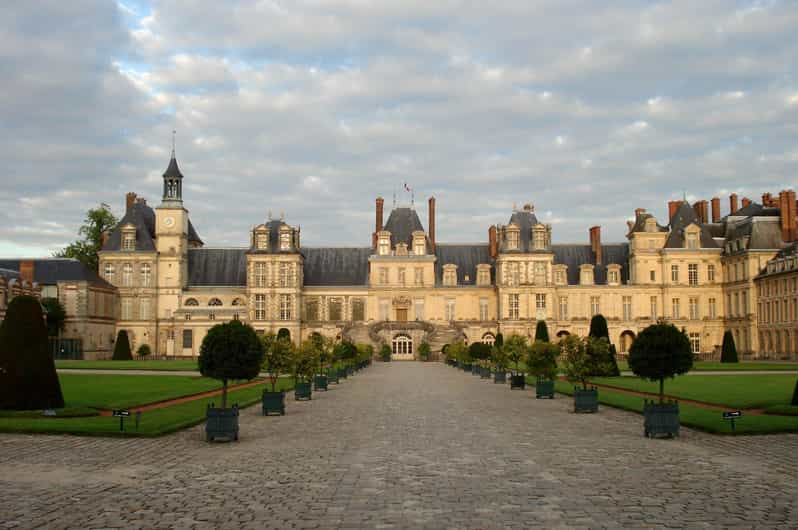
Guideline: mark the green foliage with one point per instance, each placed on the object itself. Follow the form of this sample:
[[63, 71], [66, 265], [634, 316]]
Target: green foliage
[[144, 350], [98, 220], [499, 357], [424, 351], [364, 352], [56, 315], [284, 334], [542, 360], [385, 353], [660, 351], [27, 373], [583, 357], [305, 361], [230, 351], [728, 352], [479, 352], [516, 349], [344, 352], [122, 347], [499, 341], [598, 327], [542, 332], [795, 394], [277, 357]]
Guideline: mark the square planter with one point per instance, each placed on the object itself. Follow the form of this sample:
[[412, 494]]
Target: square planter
[[586, 400], [350, 370], [484, 373], [544, 389], [342, 373], [661, 419], [517, 381], [500, 377], [221, 424], [466, 367], [302, 391], [273, 402], [332, 376], [474, 369], [320, 382]]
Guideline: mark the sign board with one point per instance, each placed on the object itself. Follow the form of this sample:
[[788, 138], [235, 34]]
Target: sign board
[[732, 414], [49, 412], [120, 413]]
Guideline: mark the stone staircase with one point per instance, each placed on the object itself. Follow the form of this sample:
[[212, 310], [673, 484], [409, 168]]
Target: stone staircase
[[358, 334], [443, 335]]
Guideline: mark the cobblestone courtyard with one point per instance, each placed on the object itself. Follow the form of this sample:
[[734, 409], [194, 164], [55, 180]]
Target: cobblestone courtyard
[[405, 445]]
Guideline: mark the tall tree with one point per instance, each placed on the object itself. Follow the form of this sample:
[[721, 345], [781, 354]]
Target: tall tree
[[85, 249]]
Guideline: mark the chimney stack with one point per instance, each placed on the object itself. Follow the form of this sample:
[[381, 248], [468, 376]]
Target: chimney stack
[[26, 270], [672, 207], [768, 201], [700, 208], [378, 221], [746, 201], [431, 224], [715, 210], [130, 200], [493, 244], [639, 211], [732, 203], [787, 212], [595, 242]]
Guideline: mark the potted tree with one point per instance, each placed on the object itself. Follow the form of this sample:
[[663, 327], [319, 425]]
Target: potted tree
[[304, 364], [583, 357], [385, 353], [276, 361], [516, 349], [324, 353], [660, 351], [480, 352], [499, 358], [542, 363], [229, 351], [350, 356], [424, 351]]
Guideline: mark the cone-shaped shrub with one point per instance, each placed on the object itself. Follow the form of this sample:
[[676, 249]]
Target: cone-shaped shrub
[[728, 352], [27, 372], [122, 347], [542, 332], [598, 330], [230, 351]]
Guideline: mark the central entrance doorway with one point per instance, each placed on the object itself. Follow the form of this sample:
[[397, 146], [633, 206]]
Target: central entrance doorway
[[402, 348]]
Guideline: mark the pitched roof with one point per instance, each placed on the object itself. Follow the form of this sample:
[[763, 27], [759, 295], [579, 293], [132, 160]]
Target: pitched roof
[[402, 222], [682, 218], [217, 267], [574, 255], [639, 224], [336, 266], [273, 227], [525, 220], [172, 171], [466, 257], [142, 216], [50, 271]]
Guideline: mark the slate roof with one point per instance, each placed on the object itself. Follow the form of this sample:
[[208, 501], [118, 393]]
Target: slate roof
[[142, 216], [172, 170], [525, 220], [684, 216], [466, 257], [9, 274], [402, 222], [50, 271], [762, 234], [274, 240], [640, 223], [574, 255], [336, 266], [217, 267], [756, 209]]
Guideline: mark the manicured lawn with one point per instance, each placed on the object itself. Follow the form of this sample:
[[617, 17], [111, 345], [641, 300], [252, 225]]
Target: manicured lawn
[[735, 391], [747, 366], [691, 416], [169, 365], [153, 423]]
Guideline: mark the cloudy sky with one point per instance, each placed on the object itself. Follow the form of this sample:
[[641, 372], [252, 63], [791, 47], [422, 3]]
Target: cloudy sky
[[315, 107]]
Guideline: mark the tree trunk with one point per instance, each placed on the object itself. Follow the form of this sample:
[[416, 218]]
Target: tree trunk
[[661, 390], [224, 393]]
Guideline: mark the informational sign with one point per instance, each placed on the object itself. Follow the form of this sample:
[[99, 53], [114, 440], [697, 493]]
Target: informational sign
[[732, 415], [121, 414]]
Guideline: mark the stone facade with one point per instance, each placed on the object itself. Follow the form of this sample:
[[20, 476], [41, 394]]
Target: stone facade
[[12, 284]]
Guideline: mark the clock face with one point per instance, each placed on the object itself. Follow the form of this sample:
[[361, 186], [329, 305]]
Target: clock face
[[169, 222]]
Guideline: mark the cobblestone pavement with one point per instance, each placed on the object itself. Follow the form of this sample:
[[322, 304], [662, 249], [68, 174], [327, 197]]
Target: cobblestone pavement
[[405, 445]]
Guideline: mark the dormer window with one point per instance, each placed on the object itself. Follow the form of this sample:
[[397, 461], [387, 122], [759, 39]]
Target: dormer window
[[692, 241], [513, 236], [129, 238], [586, 274], [539, 237], [285, 238], [384, 244], [450, 275], [613, 274], [419, 244], [483, 274], [401, 249], [262, 239], [651, 225], [560, 274]]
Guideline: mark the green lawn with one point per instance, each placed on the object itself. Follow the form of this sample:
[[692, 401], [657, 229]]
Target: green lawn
[[747, 365], [153, 423], [735, 391], [699, 418], [169, 365]]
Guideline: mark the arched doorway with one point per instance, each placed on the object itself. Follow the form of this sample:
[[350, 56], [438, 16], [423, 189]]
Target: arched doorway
[[562, 334], [402, 347], [625, 341], [488, 338]]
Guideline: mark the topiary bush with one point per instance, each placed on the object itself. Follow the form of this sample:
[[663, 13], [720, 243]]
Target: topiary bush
[[728, 352], [660, 351], [541, 332], [385, 353], [27, 372], [479, 352], [144, 351], [230, 351], [599, 329], [424, 351], [122, 347]]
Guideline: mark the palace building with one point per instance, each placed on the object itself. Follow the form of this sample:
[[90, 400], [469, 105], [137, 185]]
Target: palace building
[[407, 287]]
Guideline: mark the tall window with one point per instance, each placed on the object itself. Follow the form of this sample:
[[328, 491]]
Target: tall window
[[450, 276], [335, 309], [627, 308], [262, 240], [483, 276], [694, 312], [127, 275], [109, 272], [358, 309], [144, 309], [188, 339], [595, 305], [512, 239], [285, 240], [384, 247], [513, 274], [402, 344], [563, 308], [146, 274], [513, 306], [540, 301], [675, 273], [285, 307], [539, 239], [695, 342], [311, 309], [712, 307], [736, 304], [418, 272], [692, 273], [260, 274], [384, 310], [450, 309], [675, 308], [711, 273], [127, 308], [285, 274], [383, 275], [418, 306], [260, 307], [401, 275], [540, 273], [483, 309]]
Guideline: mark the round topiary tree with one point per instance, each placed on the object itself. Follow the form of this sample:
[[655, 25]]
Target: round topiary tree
[[479, 351], [541, 332], [728, 352], [144, 351], [583, 357], [660, 351], [230, 351], [122, 347], [599, 329], [28, 379], [542, 360]]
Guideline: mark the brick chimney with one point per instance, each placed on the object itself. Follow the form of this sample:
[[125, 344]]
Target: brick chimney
[[746, 201], [768, 201], [700, 208], [639, 211], [672, 207], [378, 221], [787, 212], [431, 224], [715, 210], [26, 270], [732, 203], [595, 242], [493, 244], [130, 200]]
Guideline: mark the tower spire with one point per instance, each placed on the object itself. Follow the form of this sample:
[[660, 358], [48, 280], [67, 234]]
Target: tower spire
[[174, 132]]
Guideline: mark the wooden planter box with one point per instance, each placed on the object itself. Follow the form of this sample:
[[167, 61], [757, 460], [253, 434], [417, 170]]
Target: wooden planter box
[[586, 400], [273, 402], [302, 391], [221, 424], [544, 389], [661, 419], [517, 381], [500, 377], [320, 382]]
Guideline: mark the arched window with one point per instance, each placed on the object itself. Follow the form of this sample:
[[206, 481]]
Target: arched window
[[238, 301], [562, 334], [488, 338], [191, 302], [402, 345], [214, 301]]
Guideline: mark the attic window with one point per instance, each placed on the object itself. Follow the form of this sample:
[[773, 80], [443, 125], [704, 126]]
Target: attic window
[[262, 240], [483, 274], [512, 239], [129, 240], [285, 239], [692, 241], [450, 275], [539, 238], [384, 247]]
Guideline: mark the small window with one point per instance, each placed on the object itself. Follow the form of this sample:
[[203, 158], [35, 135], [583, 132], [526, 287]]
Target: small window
[[188, 339], [652, 275], [191, 302], [129, 241], [285, 240], [214, 302]]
